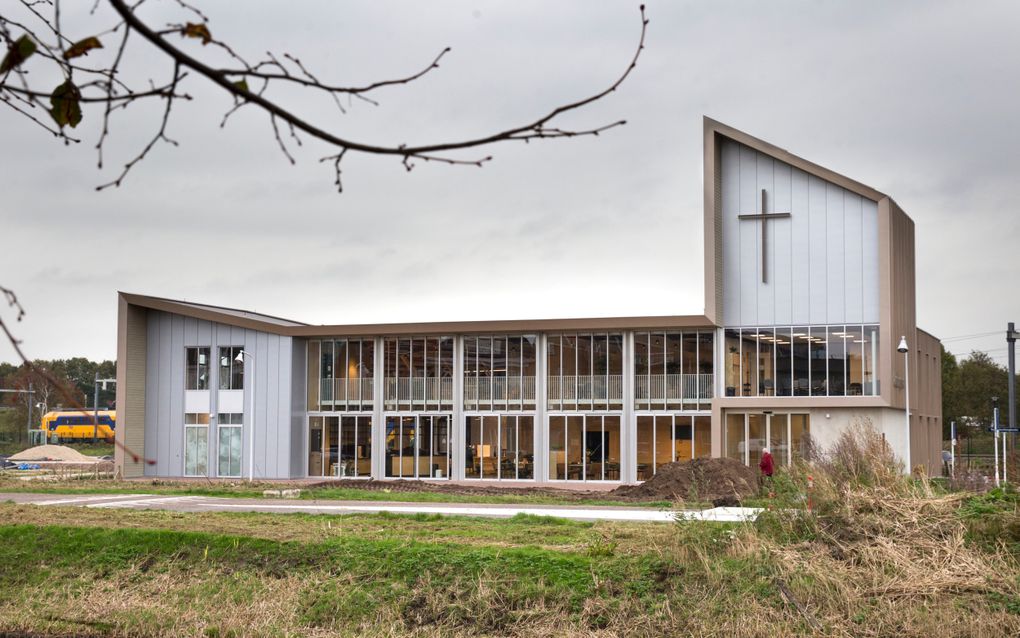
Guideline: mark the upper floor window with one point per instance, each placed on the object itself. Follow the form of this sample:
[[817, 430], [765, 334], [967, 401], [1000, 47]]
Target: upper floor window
[[231, 369], [585, 372], [341, 374], [782, 361], [419, 373], [673, 370], [196, 375], [499, 372]]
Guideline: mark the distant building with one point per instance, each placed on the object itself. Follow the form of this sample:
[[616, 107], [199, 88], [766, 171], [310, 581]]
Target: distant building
[[809, 280]]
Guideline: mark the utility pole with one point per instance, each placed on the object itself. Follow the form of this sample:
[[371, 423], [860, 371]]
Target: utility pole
[[1011, 335], [95, 404]]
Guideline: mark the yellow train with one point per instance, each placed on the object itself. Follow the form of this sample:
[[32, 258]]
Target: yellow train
[[70, 425]]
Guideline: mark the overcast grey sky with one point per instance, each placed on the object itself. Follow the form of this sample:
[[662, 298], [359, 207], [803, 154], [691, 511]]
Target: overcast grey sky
[[918, 99]]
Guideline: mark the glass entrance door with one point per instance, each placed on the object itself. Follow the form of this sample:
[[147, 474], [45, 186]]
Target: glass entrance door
[[340, 446], [784, 435], [584, 447], [499, 447], [418, 446]]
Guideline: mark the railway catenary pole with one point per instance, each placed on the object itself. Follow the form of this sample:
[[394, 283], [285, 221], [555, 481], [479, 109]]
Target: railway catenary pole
[[1011, 335]]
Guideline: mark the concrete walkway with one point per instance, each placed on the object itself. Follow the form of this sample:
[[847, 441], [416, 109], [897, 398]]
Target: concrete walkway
[[220, 504]]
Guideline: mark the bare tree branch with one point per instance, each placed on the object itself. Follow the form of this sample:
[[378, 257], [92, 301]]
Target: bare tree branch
[[105, 86]]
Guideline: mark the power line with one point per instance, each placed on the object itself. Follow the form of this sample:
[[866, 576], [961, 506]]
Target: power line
[[971, 336]]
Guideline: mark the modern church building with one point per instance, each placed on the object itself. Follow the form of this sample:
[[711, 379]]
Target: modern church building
[[809, 287]]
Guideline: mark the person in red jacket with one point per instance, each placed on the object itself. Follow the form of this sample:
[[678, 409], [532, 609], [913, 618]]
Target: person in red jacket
[[767, 468]]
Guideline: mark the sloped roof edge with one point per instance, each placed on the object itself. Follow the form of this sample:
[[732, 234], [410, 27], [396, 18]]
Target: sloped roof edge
[[782, 154], [276, 325]]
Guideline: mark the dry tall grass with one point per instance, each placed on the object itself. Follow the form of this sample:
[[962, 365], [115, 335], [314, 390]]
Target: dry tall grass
[[884, 554]]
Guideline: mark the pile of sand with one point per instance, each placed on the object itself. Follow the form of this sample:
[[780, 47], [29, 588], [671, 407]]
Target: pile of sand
[[698, 480], [52, 453]]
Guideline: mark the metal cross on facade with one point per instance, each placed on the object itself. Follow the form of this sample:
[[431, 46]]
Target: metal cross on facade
[[764, 217]]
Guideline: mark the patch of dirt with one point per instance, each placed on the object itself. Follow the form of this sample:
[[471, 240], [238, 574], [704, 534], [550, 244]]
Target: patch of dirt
[[53, 453], [410, 485], [697, 480]]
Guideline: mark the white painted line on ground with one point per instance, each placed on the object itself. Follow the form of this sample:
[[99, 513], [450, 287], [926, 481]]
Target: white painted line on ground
[[86, 499], [503, 512], [151, 500]]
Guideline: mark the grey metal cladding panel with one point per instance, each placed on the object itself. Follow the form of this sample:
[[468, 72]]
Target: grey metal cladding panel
[[853, 258], [262, 424], [835, 249], [749, 202], [191, 331], [869, 275], [205, 335], [176, 366], [800, 278], [781, 273], [298, 394], [272, 405], [818, 235], [164, 414], [765, 179], [152, 377], [284, 443], [730, 276]]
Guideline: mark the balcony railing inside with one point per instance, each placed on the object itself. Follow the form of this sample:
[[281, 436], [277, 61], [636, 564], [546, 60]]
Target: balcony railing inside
[[346, 394], [419, 393], [672, 390], [492, 393], [578, 392]]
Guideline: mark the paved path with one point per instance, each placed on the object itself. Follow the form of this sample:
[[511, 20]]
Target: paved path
[[218, 504]]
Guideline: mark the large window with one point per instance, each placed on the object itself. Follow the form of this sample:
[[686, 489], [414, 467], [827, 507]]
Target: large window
[[419, 373], [196, 365], [196, 444], [673, 370], [665, 438], [500, 447], [584, 447], [499, 372], [802, 361], [341, 374], [585, 372], [231, 370], [228, 429], [785, 436], [418, 446], [340, 446]]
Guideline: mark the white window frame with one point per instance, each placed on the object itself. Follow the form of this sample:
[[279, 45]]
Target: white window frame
[[229, 421]]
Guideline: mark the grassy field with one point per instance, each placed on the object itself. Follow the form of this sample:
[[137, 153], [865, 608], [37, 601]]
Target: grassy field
[[134, 573], [878, 555]]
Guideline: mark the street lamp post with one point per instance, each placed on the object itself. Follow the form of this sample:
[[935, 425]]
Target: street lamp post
[[42, 411], [251, 413], [906, 378]]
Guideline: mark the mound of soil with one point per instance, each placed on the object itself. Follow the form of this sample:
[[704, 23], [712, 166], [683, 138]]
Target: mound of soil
[[698, 480], [52, 453]]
